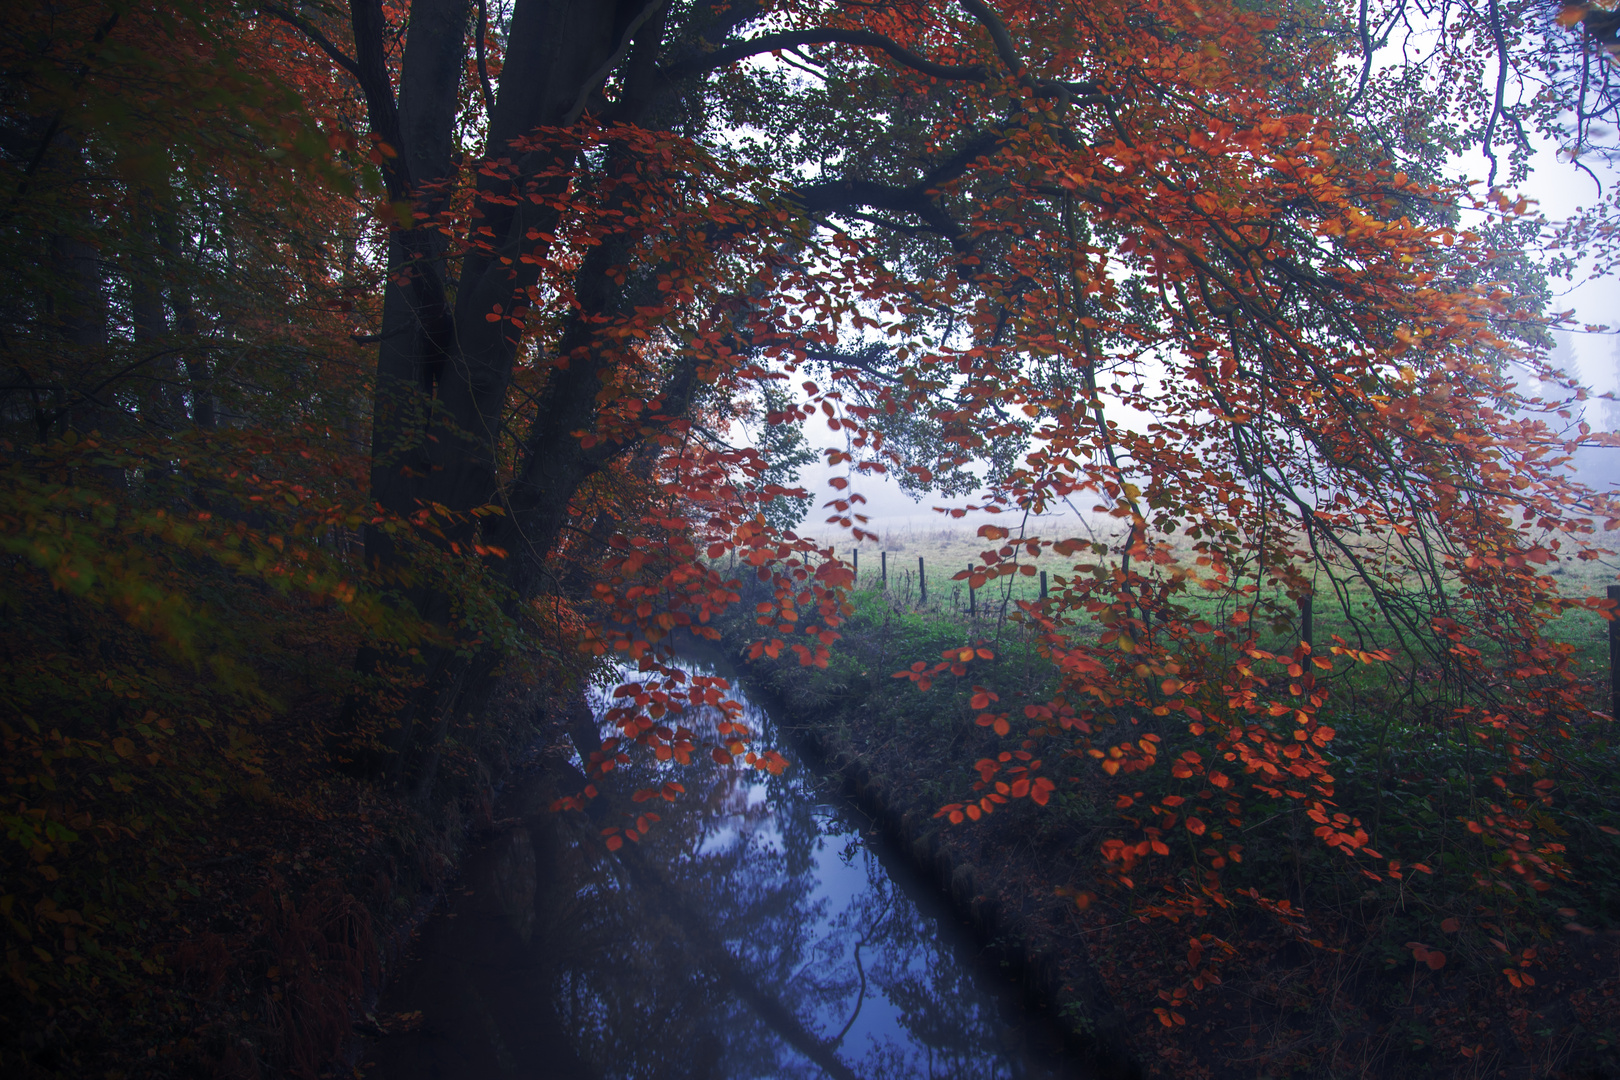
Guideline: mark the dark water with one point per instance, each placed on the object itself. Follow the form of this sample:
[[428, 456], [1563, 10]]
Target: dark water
[[758, 931]]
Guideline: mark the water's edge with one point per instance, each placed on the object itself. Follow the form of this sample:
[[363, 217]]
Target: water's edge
[[1075, 1003]]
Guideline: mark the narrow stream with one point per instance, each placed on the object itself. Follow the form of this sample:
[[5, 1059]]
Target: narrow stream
[[760, 930]]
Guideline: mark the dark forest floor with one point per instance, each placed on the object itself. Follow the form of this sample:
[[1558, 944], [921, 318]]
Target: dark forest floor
[[232, 900]]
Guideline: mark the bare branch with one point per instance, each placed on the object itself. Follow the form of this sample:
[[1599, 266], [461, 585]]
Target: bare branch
[[483, 65], [741, 50]]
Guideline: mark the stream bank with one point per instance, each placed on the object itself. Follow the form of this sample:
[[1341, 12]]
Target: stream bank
[[1053, 976], [1023, 928], [1119, 963]]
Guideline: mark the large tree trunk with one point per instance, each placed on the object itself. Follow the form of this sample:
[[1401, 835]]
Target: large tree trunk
[[443, 369], [443, 372]]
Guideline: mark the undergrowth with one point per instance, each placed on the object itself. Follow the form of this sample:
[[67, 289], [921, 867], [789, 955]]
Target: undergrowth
[[189, 886]]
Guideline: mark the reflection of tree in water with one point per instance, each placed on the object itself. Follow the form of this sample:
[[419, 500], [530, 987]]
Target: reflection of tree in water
[[884, 946], [713, 949]]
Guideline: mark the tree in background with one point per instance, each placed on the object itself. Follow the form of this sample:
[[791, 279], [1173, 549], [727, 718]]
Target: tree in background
[[785, 452]]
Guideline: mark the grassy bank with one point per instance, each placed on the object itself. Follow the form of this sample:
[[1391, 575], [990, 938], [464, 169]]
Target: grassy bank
[[1321, 970]]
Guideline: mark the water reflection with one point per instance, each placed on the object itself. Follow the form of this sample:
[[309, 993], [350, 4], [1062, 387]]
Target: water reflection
[[753, 933]]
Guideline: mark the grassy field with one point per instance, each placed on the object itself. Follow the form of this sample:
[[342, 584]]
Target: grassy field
[[946, 551]]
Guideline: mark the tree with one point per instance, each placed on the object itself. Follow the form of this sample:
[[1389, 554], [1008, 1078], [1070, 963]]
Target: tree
[[577, 236], [1052, 198], [785, 451], [177, 472]]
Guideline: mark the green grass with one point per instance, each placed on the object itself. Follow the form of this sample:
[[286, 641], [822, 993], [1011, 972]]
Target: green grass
[[948, 550]]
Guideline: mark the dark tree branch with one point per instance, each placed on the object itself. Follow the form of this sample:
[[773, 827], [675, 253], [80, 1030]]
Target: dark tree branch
[[872, 361], [917, 199], [483, 66], [889, 223], [723, 21], [741, 50], [1002, 40], [313, 33], [836, 195], [998, 33], [371, 71], [1366, 58], [957, 164], [601, 73], [1495, 20]]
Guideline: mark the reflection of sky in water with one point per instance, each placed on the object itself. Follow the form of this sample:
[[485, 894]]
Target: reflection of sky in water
[[784, 883]]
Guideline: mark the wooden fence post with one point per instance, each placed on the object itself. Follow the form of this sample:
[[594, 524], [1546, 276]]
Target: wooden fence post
[[1614, 657], [883, 564], [922, 584], [855, 571], [1306, 627], [1043, 584], [973, 595]]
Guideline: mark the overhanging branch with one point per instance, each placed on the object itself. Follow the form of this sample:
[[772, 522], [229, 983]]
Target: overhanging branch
[[741, 50], [313, 33]]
